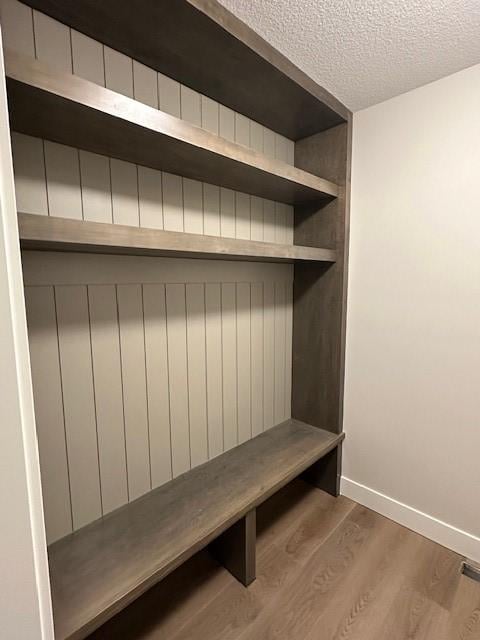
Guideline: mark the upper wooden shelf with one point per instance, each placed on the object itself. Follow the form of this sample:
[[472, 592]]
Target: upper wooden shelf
[[63, 234], [70, 110], [98, 570], [203, 45]]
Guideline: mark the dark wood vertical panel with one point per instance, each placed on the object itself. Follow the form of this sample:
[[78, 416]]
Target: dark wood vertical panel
[[320, 290], [235, 548], [325, 474]]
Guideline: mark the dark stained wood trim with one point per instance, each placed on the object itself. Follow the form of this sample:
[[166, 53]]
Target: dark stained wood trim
[[325, 474], [320, 290], [100, 569], [235, 549], [221, 57], [64, 234]]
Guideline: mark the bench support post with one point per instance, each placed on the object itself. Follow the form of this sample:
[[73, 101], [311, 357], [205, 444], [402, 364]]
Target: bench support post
[[235, 548], [325, 473]]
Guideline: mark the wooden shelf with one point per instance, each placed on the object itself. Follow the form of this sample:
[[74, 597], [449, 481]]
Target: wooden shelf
[[67, 109], [221, 57], [63, 234], [101, 568]]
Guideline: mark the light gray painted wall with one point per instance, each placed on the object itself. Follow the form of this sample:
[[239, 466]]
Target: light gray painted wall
[[413, 340], [25, 609]]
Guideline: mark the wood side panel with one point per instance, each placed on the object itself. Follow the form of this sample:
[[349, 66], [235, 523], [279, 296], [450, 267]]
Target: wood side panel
[[107, 379], [132, 350], [158, 394], [78, 403], [49, 413], [235, 549], [30, 179], [292, 103], [214, 379], [320, 290], [244, 357], [178, 377], [196, 362]]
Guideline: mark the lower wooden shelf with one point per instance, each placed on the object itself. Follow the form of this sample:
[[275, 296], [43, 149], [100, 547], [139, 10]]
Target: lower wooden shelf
[[63, 234], [98, 570]]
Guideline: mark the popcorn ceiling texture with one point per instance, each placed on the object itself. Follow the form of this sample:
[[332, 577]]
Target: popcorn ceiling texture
[[366, 51]]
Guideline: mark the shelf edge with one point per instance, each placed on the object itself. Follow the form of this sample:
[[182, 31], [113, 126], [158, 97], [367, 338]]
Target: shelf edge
[[64, 234]]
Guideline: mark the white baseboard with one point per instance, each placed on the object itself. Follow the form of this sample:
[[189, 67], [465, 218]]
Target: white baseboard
[[445, 534]]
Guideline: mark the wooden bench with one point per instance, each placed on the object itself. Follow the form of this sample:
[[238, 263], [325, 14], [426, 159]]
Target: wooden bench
[[100, 569]]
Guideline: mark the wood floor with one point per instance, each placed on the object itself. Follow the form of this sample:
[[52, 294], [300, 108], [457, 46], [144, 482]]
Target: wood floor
[[327, 570]]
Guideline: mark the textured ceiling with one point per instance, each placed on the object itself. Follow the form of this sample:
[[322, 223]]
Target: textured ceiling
[[365, 51]]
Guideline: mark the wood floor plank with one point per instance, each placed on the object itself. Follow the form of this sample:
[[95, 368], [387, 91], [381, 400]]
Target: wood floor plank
[[372, 586], [310, 591], [464, 619], [327, 568], [234, 610]]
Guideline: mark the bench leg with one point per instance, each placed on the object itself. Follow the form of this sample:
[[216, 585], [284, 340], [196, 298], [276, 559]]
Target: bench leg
[[325, 473], [235, 548]]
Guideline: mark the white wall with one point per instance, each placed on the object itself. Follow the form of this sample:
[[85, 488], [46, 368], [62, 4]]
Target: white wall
[[412, 403], [25, 609]]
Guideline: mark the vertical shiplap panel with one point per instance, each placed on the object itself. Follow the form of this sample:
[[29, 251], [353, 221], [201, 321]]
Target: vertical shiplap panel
[[242, 215], [190, 106], [150, 198], [17, 27], [172, 202], [269, 221], [280, 353], [256, 136], [96, 191], [213, 330], [289, 224], [257, 380], [118, 72], [291, 152], [227, 213], [107, 379], [197, 390], [268, 354], [88, 58], [79, 402], [124, 192], [52, 42], [288, 347], [178, 376], [227, 123], [192, 206], [281, 151], [47, 391], [242, 130], [168, 95], [229, 365], [132, 350], [269, 143], [256, 218], [29, 168], [63, 181], [157, 382], [145, 87], [280, 222], [210, 115], [244, 363], [211, 210]]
